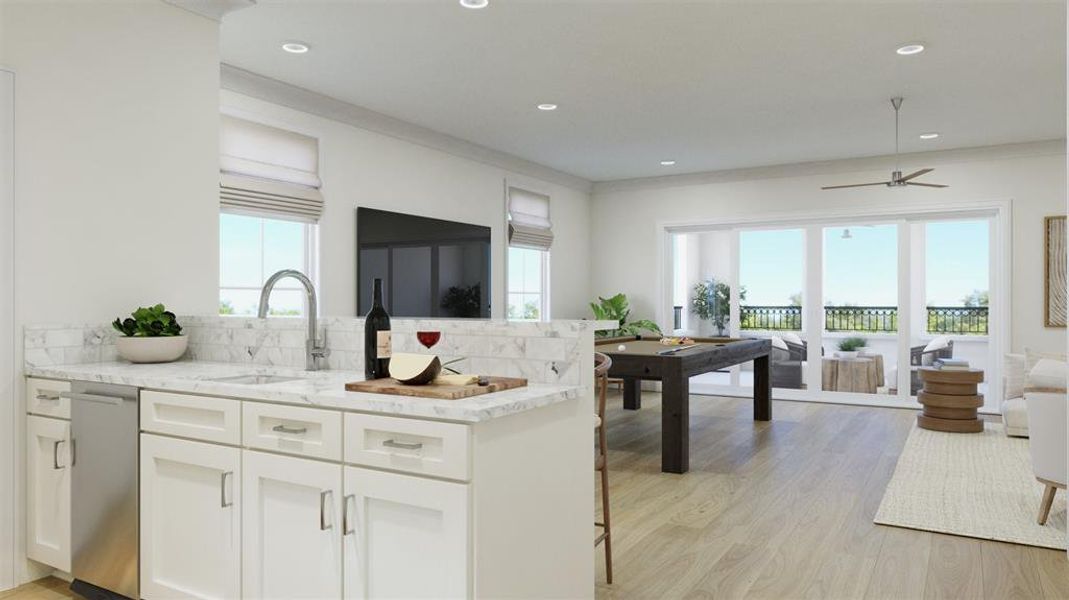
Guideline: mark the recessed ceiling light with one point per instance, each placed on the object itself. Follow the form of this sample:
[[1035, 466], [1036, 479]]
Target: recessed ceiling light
[[295, 47], [475, 3], [910, 49], [667, 163], [547, 106], [929, 136]]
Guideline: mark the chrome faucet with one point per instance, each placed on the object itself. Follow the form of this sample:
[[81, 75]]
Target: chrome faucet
[[314, 349]]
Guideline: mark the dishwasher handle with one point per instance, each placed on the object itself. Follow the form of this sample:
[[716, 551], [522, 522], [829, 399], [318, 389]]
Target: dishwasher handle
[[98, 398]]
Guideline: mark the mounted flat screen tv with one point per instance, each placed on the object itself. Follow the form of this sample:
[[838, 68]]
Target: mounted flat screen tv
[[429, 267]]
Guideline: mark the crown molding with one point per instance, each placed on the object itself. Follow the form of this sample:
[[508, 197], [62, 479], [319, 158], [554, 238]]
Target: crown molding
[[831, 167], [247, 83], [212, 9]]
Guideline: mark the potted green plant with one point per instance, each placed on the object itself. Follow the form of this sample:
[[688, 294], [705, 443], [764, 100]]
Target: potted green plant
[[150, 335], [849, 347], [618, 308], [462, 302], [712, 302]]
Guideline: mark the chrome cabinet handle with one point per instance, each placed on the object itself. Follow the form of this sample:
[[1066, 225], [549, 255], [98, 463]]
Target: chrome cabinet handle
[[48, 397], [323, 525], [290, 430], [222, 490], [403, 445], [99, 398], [346, 520], [55, 455]]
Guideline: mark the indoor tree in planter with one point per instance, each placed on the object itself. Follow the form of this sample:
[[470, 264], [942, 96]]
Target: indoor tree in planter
[[712, 302], [618, 308], [150, 335]]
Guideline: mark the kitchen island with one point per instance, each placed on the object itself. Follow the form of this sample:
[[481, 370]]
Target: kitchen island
[[279, 483]]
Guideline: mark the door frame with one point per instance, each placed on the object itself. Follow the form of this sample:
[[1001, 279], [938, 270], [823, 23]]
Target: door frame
[[999, 211]]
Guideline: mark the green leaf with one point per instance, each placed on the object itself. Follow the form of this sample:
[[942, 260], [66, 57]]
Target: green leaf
[[153, 321]]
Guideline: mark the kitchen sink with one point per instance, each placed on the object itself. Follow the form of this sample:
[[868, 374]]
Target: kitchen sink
[[255, 379]]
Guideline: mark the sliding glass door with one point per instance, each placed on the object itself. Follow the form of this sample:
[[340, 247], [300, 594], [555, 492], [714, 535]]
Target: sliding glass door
[[860, 338], [854, 308]]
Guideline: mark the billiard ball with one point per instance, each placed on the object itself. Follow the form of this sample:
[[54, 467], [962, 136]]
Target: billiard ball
[[621, 347]]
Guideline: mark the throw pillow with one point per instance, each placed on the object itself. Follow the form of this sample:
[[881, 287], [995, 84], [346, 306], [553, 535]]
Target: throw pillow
[[1031, 358], [1013, 375], [937, 343], [792, 337], [777, 342], [1047, 376]]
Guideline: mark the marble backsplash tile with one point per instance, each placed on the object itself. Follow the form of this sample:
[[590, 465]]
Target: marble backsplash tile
[[549, 352]]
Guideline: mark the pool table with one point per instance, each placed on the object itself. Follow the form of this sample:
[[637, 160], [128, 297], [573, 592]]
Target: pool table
[[645, 358]]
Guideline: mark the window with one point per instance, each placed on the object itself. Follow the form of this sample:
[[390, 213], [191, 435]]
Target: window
[[527, 277], [530, 237], [270, 202], [251, 249]]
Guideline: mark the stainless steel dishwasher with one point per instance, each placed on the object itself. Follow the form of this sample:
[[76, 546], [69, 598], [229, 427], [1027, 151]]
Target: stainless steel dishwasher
[[104, 490]]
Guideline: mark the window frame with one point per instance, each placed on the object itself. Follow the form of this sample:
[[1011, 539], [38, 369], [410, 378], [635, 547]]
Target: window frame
[[544, 279], [309, 266]]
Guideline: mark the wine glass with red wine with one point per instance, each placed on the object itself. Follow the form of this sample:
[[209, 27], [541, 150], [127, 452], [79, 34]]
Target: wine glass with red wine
[[428, 338]]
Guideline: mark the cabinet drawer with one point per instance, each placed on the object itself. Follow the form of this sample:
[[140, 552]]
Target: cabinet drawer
[[292, 429], [195, 417], [42, 398], [424, 447]]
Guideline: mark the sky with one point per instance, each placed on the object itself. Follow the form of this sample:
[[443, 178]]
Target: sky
[[862, 270], [251, 249]]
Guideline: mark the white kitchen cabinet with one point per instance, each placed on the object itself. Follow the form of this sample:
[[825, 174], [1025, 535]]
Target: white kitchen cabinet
[[48, 502], [405, 536], [190, 519], [292, 527]]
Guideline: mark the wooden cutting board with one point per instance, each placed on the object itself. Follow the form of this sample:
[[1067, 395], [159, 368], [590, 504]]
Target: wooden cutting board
[[390, 385]]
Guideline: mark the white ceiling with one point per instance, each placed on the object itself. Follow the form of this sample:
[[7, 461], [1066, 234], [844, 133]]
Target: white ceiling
[[712, 85]]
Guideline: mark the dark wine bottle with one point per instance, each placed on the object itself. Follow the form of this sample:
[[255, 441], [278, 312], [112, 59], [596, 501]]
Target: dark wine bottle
[[377, 338]]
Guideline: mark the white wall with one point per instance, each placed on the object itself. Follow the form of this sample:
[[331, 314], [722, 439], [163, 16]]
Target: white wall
[[116, 157], [116, 167], [625, 214], [363, 168], [8, 412]]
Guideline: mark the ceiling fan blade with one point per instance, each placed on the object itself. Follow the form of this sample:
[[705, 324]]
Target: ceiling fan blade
[[916, 174], [853, 185], [935, 185]]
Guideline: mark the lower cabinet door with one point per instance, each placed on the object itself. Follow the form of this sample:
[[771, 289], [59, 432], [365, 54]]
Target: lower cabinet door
[[292, 528], [405, 536], [190, 519], [48, 502]]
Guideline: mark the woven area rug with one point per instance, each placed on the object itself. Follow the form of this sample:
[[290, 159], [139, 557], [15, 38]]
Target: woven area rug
[[972, 484]]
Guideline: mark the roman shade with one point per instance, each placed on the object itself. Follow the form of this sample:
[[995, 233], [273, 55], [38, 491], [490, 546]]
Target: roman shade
[[268, 171], [528, 217]]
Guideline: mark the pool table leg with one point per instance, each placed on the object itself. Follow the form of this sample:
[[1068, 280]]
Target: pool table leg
[[632, 393], [762, 389], [675, 422]]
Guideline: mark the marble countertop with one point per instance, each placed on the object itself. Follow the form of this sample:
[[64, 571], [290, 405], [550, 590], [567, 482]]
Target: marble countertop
[[324, 389]]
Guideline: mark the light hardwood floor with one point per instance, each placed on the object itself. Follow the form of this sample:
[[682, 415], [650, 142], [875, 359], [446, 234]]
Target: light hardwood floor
[[784, 510], [777, 510]]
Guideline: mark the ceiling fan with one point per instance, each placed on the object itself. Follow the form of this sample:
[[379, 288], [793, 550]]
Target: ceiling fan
[[897, 179]]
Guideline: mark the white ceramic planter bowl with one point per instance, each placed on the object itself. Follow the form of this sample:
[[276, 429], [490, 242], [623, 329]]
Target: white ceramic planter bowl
[[151, 349], [846, 355]]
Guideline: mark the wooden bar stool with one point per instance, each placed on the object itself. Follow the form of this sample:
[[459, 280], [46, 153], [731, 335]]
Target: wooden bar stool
[[601, 462]]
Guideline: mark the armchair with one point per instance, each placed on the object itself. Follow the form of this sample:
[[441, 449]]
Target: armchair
[[787, 365], [1047, 431], [921, 356]]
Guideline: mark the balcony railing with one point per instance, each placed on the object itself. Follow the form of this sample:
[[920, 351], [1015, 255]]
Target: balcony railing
[[963, 320], [957, 320]]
